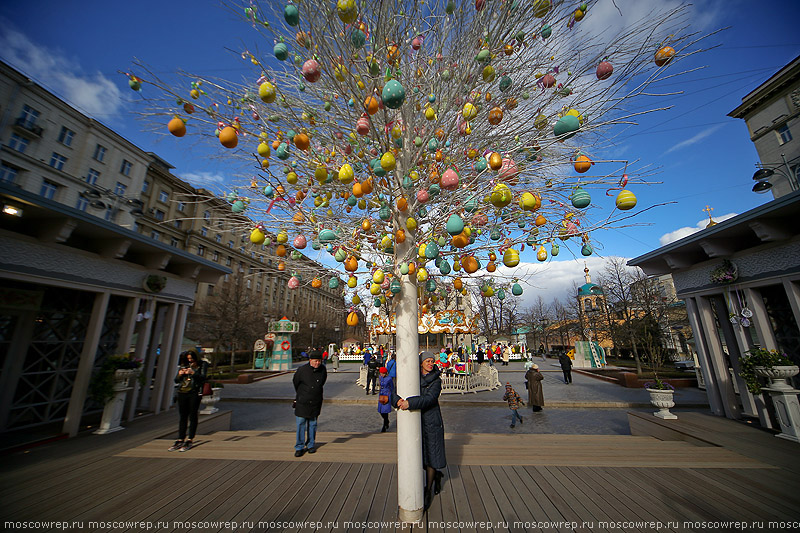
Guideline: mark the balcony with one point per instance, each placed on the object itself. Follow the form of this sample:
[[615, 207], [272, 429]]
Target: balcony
[[28, 128]]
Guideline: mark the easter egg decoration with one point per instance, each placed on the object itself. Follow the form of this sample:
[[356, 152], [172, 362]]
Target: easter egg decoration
[[378, 276], [580, 198], [541, 8], [501, 294], [495, 161], [352, 317], [291, 14], [293, 282], [444, 267], [583, 164], [516, 289], [316, 283], [229, 137], [604, 70], [508, 171], [469, 111], [529, 201], [257, 236], [238, 206], [300, 242], [388, 161], [664, 55], [495, 116], [393, 94], [501, 195], [470, 264], [311, 71], [625, 200], [586, 249], [455, 225], [511, 257], [281, 51], [352, 282], [541, 254], [449, 180], [395, 286], [566, 127], [546, 32], [555, 249], [333, 283], [346, 174], [505, 82], [177, 127], [547, 81]]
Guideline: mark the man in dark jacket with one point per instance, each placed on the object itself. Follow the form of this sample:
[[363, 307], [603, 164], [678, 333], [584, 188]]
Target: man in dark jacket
[[308, 381], [566, 367], [372, 373]]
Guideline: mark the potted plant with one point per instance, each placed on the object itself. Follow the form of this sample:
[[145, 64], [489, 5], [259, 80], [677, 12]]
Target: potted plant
[[661, 392], [153, 283], [727, 272], [771, 364], [109, 386]]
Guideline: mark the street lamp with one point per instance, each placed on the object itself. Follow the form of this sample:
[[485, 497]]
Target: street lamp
[[762, 177], [94, 194], [337, 329], [313, 326]]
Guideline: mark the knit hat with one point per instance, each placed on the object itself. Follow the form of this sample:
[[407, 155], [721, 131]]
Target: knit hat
[[426, 355], [383, 370], [315, 354]]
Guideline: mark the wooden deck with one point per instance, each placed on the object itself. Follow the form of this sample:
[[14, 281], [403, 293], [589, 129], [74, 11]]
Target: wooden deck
[[493, 483]]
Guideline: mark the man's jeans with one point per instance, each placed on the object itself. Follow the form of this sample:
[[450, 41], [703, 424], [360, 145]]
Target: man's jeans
[[514, 416], [302, 441]]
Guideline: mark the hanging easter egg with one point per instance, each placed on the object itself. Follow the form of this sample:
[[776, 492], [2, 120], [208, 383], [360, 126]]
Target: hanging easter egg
[[664, 55], [469, 112], [566, 127], [495, 161], [411, 224], [541, 254], [501, 195], [282, 152], [511, 257], [582, 163], [177, 127], [238, 206], [395, 286], [404, 269], [422, 274], [501, 294], [449, 180], [291, 14], [580, 198], [333, 283], [444, 267], [393, 94], [356, 299], [455, 224], [471, 205], [311, 71], [516, 289], [384, 213], [547, 31], [326, 236], [378, 276], [604, 70], [352, 317], [554, 249], [268, 191], [480, 165], [431, 250], [529, 201], [257, 236], [300, 242], [352, 282], [505, 83], [625, 200], [540, 122], [362, 126], [228, 137], [388, 161], [541, 8], [587, 249], [508, 171], [357, 38], [281, 51], [495, 235], [495, 116], [293, 282], [547, 81]]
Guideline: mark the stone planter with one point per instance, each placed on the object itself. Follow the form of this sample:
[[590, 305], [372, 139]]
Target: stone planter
[[210, 402], [662, 399], [777, 375], [112, 412]]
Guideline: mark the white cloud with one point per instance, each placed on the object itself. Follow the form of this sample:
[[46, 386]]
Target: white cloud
[[680, 233], [91, 93], [694, 140], [203, 179]]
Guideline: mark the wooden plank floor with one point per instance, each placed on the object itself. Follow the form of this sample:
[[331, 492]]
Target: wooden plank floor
[[472, 449], [493, 483]]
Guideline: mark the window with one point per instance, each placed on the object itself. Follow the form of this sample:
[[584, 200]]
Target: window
[[227, 277], [251, 270], [210, 290], [57, 161], [120, 188], [48, 189], [82, 204], [261, 258], [206, 215], [174, 242], [163, 196], [215, 256], [204, 231], [18, 143], [241, 249], [66, 135], [99, 152], [28, 117], [221, 224], [587, 305], [228, 261], [145, 186], [155, 235], [253, 255], [109, 214], [784, 135], [8, 174], [159, 214], [258, 286], [218, 238], [201, 250], [92, 176], [248, 283], [177, 223], [181, 206], [230, 244], [126, 167]]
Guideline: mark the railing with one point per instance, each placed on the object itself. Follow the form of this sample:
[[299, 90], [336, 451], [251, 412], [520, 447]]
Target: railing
[[486, 378], [29, 126]]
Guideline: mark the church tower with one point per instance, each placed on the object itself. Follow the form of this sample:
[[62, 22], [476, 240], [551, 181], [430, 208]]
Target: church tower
[[591, 296]]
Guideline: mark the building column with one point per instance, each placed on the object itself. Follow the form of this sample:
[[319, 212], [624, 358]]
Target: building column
[[175, 350], [761, 321], [163, 367], [793, 294], [15, 359], [144, 330], [717, 357], [128, 325], [712, 389], [80, 387]]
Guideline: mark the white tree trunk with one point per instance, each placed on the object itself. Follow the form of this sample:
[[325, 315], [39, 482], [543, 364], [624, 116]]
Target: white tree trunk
[[409, 431]]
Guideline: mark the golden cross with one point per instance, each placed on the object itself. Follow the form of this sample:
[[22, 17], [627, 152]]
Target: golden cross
[[708, 210]]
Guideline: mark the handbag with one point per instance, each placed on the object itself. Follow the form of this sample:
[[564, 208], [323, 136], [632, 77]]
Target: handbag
[[207, 390], [383, 399]]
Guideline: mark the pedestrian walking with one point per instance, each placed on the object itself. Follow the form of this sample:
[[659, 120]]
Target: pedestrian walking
[[384, 396], [391, 366], [479, 355], [506, 354], [308, 382], [566, 367], [535, 394], [372, 374], [433, 454], [335, 360], [190, 379], [514, 401]]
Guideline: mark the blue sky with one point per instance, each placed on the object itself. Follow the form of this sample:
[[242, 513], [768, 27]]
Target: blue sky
[[703, 157]]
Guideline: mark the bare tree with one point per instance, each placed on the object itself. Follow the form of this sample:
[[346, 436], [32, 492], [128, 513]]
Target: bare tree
[[617, 280]]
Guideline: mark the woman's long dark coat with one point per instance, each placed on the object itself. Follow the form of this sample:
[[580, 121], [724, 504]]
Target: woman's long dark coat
[[432, 424]]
